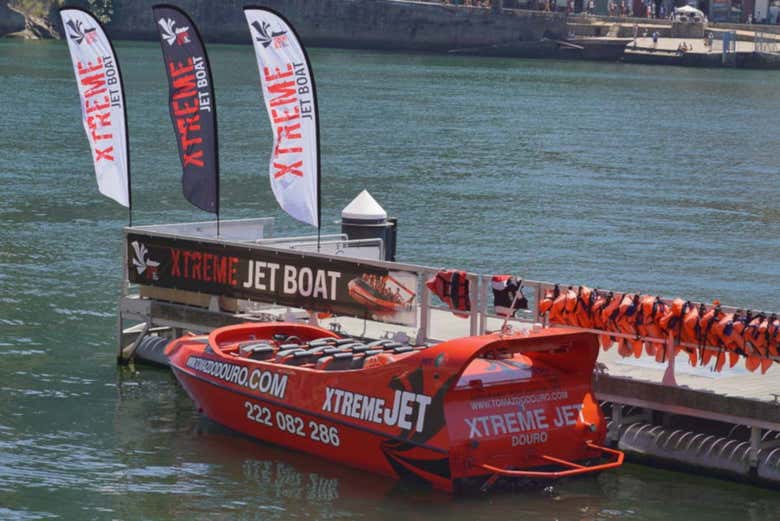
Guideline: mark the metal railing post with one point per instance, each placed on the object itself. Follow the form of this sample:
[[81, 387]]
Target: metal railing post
[[483, 304], [423, 333], [475, 306]]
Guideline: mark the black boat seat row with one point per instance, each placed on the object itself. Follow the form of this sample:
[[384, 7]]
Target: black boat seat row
[[256, 350], [283, 355], [323, 353], [345, 360]]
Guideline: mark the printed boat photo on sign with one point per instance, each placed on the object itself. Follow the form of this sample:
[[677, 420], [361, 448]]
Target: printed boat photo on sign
[[385, 294]]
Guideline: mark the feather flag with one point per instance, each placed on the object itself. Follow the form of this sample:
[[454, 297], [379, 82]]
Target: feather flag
[[192, 105], [102, 102], [291, 101]]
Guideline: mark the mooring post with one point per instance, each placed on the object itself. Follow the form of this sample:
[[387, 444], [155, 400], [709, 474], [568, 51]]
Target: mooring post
[[617, 422], [755, 446]]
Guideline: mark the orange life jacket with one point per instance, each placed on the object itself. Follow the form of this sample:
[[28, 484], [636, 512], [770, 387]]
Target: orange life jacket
[[773, 335], [651, 309], [756, 336], [729, 332], [570, 304], [547, 301], [609, 314], [558, 309], [707, 333], [626, 324], [584, 309], [690, 325], [599, 301], [672, 319], [452, 287]]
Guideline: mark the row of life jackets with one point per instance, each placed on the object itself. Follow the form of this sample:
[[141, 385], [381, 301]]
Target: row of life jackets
[[704, 333]]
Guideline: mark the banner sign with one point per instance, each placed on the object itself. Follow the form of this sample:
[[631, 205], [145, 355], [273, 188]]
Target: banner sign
[[102, 102], [291, 102], [290, 279], [191, 104]]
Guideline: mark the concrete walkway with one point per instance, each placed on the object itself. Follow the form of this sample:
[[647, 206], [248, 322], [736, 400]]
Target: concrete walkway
[[695, 46]]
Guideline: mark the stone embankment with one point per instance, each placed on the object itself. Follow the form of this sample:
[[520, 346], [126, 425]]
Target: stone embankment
[[374, 24]]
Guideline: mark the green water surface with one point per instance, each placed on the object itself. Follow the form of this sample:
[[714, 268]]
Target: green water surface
[[653, 179]]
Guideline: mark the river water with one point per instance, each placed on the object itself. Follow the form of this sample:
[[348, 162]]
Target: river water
[[628, 177]]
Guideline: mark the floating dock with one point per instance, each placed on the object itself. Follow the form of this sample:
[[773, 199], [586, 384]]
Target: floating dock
[[186, 278]]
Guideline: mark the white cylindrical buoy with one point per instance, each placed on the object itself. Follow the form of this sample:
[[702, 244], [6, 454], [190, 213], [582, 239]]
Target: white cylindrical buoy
[[364, 218]]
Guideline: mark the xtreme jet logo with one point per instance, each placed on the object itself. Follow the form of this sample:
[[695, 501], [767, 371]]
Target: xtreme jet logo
[[79, 34], [143, 263], [278, 38], [173, 34]]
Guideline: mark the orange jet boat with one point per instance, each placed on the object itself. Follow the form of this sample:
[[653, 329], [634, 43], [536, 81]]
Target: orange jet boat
[[453, 415]]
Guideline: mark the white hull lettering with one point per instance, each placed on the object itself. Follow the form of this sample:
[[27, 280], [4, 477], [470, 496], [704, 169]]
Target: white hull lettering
[[407, 410], [264, 382]]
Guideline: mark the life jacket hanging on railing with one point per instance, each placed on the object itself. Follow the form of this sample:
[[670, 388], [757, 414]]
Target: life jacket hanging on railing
[[505, 289], [662, 329], [452, 287]]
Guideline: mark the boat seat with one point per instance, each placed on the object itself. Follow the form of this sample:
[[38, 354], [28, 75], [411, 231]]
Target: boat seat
[[281, 338], [359, 348], [332, 350], [324, 361], [403, 349], [301, 357], [380, 342], [285, 347], [257, 351], [380, 359], [342, 341], [358, 361], [346, 347], [336, 362], [319, 349], [281, 355], [325, 341], [389, 346], [373, 352]]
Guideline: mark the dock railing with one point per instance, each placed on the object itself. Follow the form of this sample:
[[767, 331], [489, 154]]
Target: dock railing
[[253, 238]]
